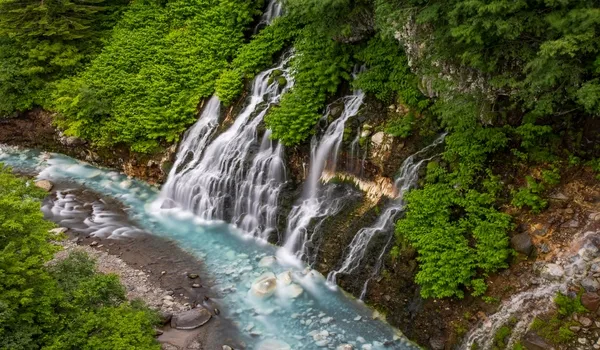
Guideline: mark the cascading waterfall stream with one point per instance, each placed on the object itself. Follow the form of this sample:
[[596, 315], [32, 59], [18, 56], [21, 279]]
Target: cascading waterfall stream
[[274, 10], [257, 204], [406, 180], [314, 203], [194, 142], [217, 179]]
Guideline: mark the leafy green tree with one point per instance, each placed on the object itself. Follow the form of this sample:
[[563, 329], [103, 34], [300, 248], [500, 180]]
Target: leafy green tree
[[42, 41], [320, 66], [145, 87]]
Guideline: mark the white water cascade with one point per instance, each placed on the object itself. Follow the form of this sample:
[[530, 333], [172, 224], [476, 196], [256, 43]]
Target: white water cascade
[[406, 180], [274, 10], [194, 142], [218, 178], [258, 195], [315, 203]]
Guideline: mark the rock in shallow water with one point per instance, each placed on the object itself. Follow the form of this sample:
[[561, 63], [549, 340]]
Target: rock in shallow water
[[44, 185], [273, 344], [285, 277], [266, 261], [265, 285], [191, 319], [345, 347]]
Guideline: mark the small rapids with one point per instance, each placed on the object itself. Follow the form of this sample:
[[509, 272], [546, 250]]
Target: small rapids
[[270, 302]]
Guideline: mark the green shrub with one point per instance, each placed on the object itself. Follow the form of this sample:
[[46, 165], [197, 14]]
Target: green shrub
[[567, 305], [229, 86], [41, 42], [401, 125], [531, 196], [500, 337], [320, 65], [388, 75], [145, 86]]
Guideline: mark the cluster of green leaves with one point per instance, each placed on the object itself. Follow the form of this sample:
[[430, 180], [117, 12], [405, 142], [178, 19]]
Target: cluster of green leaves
[[531, 196], [162, 59], [544, 52], [539, 61], [453, 221], [42, 41], [64, 306], [320, 65], [255, 56], [388, 75]]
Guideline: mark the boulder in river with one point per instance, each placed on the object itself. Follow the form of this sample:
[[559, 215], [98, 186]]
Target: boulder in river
[[44, 185], [285, 278], [272, 344], [267, 261], [264, 286], [522, 243], [345, 347], [191, 319]]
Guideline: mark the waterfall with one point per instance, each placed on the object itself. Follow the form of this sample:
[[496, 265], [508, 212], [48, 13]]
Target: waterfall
[[218, 179], [406, 180], [274, 10], [354, 164], [314, 203], [194, 141], [258, 194]]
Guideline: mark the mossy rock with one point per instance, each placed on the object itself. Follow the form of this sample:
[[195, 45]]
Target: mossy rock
[[277, 74], [282, 81]]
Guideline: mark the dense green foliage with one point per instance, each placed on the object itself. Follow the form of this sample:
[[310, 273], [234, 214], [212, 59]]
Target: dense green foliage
[[320, 66], [145, 86], [41, 42], [64, 306], [535, 65]]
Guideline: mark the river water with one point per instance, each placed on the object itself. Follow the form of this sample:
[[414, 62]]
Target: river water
[[276, 304]]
